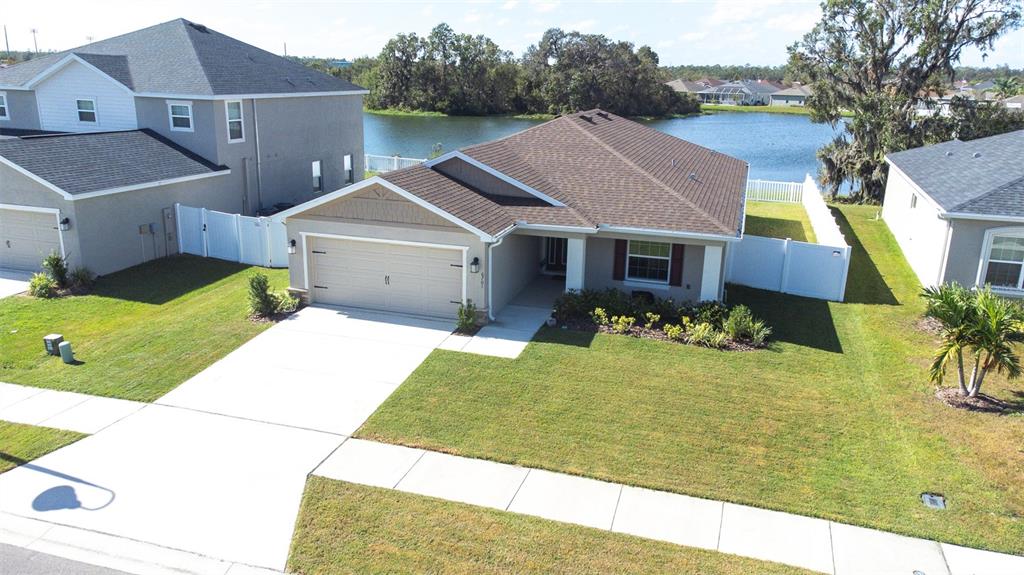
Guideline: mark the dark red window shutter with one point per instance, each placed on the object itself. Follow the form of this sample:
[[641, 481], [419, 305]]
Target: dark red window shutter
[[619, 266], [675, 271]]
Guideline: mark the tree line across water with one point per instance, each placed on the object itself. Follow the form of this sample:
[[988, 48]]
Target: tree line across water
[[462, 74]]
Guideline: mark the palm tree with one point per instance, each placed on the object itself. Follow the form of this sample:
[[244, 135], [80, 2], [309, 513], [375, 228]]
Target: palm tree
[[1006, 86], [950, 305], [979, 323]]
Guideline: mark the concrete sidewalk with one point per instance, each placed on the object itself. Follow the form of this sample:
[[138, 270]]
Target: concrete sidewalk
[[62, 409], [816, 544]]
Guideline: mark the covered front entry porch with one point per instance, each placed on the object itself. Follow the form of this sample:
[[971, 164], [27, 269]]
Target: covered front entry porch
[[535, 265]]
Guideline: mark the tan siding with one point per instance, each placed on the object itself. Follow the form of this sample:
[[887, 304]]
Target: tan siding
[[378, 204]]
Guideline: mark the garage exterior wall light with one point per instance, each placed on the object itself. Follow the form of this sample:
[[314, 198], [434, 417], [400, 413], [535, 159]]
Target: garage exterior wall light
[[474, 266], [65, 224], [291, 246]]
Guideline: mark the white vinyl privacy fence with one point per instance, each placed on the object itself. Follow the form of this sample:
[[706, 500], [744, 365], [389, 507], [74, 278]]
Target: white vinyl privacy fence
[[232, 237], [815, 270], [381, 164]]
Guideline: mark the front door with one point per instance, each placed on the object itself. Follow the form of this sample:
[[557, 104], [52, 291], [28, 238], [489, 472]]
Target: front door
[[556, 253]]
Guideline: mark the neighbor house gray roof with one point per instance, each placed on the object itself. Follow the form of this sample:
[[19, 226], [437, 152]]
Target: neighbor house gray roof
[[794, 91], [99, 161], [183, 58], [605, 171], [981, 177]]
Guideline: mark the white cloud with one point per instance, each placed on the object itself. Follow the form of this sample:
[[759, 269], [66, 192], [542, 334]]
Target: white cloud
[[471, 17], [544, 5], [510, 4], [693, 36]]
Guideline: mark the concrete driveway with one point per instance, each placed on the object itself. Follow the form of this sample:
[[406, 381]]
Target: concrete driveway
[[13, 282], [325, 369], [218, 466]]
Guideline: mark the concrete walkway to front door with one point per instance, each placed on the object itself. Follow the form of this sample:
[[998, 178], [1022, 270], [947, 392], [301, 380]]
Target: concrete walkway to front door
[[516, 323], [816, 544], [210, 478]]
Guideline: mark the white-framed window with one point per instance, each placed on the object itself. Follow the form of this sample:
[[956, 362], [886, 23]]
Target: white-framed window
[[233, 111], [648, 261], [86, 110], [1003, 263], [5, 114], [180, 116], [349, 173], [318, 181]]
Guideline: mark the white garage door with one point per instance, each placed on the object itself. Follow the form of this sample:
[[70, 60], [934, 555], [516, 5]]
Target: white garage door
[[391, 277], [26, 238]]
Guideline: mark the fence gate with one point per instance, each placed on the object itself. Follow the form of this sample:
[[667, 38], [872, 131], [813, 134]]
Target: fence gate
[[232, 237]]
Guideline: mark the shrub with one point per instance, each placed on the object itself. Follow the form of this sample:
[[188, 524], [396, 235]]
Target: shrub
[[674, 332], [712, 313], [43, 286], [265, 303], [57, 268], [622, 323], [759, 333], [652, 318], [81, 278], [467, 316], [599, 316], [705, 334], [739, 323]]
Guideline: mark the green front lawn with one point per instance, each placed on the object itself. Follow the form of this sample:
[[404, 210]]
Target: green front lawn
[[836, 420], [20, 444], [346, 528], [140, 333], [778, 220]]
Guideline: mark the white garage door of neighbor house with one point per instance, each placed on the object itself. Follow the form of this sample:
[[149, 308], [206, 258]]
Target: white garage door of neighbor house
[[398, 278], [26, 238]]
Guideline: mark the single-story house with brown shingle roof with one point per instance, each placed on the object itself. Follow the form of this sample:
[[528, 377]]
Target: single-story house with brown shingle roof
[[590, 197]]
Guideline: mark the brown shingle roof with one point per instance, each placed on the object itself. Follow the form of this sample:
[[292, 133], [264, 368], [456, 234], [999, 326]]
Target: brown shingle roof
[[613, 171], [607, 170]]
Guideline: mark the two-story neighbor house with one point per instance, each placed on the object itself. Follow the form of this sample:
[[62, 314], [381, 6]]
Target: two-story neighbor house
[[99, 142]]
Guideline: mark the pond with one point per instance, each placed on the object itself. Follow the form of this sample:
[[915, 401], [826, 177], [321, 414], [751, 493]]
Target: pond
[[777, 146]]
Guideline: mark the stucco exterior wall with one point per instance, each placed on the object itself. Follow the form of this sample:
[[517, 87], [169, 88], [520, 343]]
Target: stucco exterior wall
[[152, 113], [293, 132], [919, 231], [966, 249], [516, 263], [108, 226], [601, 262], [56, 98], [18, 190], [22, 112]]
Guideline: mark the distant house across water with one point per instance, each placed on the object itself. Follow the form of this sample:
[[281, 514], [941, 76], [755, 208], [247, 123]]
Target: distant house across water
[[795, 96]]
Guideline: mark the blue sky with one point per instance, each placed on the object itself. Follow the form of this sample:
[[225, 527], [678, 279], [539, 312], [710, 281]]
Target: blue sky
[[705, 32]]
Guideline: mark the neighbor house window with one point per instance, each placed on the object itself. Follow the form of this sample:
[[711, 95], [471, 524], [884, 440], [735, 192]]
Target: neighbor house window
[[349, 174], [648, 261], [318, 181], [1005, 263], [236, 133], [3, 107], [86, 110], [180, 115]]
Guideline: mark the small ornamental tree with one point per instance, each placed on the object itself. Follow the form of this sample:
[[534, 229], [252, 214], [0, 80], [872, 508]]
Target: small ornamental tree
[[978, 327]]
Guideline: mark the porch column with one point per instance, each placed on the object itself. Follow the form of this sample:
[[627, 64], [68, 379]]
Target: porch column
[[575, 263], [712, 273]]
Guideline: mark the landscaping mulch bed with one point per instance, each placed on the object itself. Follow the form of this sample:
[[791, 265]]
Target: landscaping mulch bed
[[929, 325], [983, 403], [644, 333]]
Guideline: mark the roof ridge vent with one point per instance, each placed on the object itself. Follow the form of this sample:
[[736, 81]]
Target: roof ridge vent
[[949, 153], [587, 118], [199, 27], [976, 155], [604, 115]]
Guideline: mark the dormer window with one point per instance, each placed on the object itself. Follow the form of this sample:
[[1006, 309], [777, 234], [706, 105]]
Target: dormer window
[[86, 110], [180, 116], [236, 132], [4, 115]]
